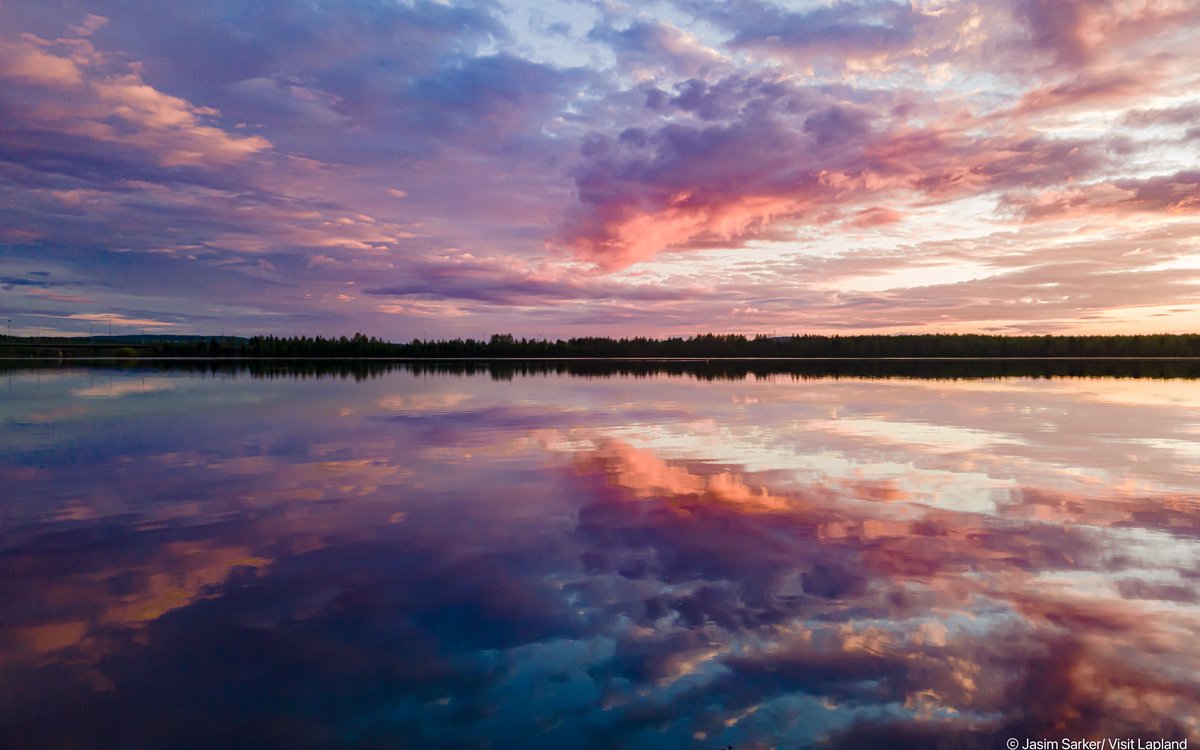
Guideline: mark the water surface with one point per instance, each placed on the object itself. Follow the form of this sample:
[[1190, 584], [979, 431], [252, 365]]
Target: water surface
[[489, 557]]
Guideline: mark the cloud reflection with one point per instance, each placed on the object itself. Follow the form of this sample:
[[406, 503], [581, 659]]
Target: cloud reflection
[[455, 561]]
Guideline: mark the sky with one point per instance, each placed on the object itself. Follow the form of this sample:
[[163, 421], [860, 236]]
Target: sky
[[440, 169]]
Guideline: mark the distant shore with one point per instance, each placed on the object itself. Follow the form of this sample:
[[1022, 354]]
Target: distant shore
[[695, 348]]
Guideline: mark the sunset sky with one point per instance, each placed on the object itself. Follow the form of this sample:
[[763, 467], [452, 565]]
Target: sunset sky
[[563, 167]]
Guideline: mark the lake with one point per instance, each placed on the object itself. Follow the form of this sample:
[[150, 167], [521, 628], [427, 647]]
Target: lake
[[613, 556]]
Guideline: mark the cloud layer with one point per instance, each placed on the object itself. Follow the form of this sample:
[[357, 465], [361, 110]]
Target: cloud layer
[[457, 168]]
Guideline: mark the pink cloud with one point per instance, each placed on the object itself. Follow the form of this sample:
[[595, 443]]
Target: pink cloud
[[1090, 91], [1176, 193], [634, 235], [1077, 33], [683, 186], [27, 60], [112, 107], [876, 216]]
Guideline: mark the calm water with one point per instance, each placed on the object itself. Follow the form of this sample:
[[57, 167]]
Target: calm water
[[427, 560]]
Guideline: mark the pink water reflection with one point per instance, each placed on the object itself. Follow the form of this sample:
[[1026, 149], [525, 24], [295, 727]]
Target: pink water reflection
[[597, 562]]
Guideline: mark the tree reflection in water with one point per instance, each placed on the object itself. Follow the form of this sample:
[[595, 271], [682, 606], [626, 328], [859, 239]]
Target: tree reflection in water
[[656, 555]]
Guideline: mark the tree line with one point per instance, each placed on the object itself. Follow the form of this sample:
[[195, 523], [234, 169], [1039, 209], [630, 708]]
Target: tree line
[[702, 346]]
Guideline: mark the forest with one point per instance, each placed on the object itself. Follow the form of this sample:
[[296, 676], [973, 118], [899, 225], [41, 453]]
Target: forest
[[704, 346]]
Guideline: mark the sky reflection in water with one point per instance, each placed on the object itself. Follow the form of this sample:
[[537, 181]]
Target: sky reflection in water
[[426, 560]]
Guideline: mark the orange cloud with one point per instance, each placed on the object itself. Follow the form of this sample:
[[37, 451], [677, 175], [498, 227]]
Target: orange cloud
[[639, 236]]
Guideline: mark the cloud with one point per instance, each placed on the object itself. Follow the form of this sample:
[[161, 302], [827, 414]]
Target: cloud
[[121, 320], [1078, 32], [1175, 194], [646, 191], [28, 60], [849, 30], [1186, 114], [599, 171], [170, 129], [646, 49], [786, 156], [876, 216], [508, 282], [1093, 90]]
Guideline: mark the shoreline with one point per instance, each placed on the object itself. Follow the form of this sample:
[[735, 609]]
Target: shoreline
[[1025, 358]]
